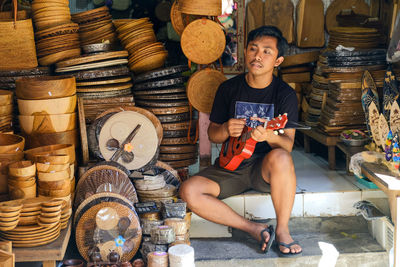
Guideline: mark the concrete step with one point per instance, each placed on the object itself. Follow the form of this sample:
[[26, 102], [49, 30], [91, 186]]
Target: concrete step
[[345, 239]]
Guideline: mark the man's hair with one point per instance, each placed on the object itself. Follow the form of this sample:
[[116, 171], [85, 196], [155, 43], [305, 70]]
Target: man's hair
[[271, 31]]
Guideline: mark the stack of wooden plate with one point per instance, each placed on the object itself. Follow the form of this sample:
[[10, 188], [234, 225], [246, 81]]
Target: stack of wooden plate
[[103, 80], [145, 53], [49, 13], [22, 180], [47, 110], [106, 225], [163, 92], [34, 221], [6, 110], [318, 93], [359, 38], [57, 43], [95, 26]]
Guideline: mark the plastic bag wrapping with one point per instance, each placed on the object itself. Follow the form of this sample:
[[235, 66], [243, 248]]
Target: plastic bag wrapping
[[393, 53], [107, 228], [104, 179], [368, 210], [365, 156]]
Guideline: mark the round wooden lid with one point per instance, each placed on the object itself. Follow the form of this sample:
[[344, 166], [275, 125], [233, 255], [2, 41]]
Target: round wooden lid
[[202, 87], [203, 41], [140, 150]]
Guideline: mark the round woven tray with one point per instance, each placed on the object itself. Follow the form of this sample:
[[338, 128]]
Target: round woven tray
[[160, 91], [201, 88], [169, 110], [88, 235], [203, 41], [104, 178], [105, 94], [163, 104], [178, 96], [204, 7]]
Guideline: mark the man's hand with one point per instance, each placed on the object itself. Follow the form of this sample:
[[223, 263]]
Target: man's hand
[[235, 127], [260, 134]]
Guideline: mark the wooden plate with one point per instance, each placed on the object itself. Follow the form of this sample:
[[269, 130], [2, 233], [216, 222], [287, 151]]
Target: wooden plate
[[53, 58], [159, 83], [155, 104], [104, 88], [202, 87], [178, 96], [161, 91], [203, 41], [175, 141], [93, 65], [144, 143], [112, 80]]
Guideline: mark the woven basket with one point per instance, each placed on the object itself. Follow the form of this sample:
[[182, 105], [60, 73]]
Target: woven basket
[[204, 7], [17, 43]]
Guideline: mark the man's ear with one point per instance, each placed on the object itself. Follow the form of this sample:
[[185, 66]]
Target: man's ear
[[279, 61]]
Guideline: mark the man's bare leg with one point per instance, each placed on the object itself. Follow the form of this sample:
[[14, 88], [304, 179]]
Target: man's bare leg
[[201, 194], [278, 171]]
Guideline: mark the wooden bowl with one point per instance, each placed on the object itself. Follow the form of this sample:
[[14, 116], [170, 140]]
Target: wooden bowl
[[43, 167], [53, 193], [15, 192], [8, 219], [10, 143], [45, 87], [6, 97], [6, 109], [51, 159], [58, 149], [51, 209], [47, 106], [30, 181], [55, 185], [24, 168], [40, 139], [53, 176], [47, 123]]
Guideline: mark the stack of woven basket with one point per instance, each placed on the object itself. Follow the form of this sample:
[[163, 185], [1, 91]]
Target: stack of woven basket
[[95, 26], [56, 37]]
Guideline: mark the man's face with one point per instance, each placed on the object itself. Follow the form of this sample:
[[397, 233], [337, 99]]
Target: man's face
[[261, 55]]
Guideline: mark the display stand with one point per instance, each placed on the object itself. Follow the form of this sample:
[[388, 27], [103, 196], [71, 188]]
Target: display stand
[[48, 254], [329, 141], [389, 183]]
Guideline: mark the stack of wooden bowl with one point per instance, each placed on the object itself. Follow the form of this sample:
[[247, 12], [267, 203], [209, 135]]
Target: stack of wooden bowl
[[145, 53], [95, 26], [57, 43], [47, 110], [11, 150], [22, 180], [55, 170], [6, 110], [163, 92], [49, 13]]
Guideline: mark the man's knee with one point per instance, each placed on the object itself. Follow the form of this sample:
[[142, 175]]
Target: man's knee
[[279, 159]]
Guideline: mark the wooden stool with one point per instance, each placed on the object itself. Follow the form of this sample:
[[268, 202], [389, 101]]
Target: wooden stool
[[329, 141]]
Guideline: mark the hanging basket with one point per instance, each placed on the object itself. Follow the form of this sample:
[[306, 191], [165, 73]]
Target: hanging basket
[[204, 7]]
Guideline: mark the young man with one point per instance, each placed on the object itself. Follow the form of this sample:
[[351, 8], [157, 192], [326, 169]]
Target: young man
[[253, 94]]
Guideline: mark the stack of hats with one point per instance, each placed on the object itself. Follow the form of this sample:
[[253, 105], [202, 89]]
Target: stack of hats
[[47, 110], [49, 13], [22, 180], [6, 110], [163, 92], [57, 43], [145, 53], [95, 26], [318, 93], [103, 80]]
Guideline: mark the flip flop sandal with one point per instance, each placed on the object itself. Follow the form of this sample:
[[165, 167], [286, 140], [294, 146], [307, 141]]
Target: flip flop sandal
[[289, 254], [271, 232]]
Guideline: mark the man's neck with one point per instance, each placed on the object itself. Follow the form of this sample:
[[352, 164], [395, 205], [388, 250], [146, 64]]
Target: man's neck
[[258, 82]]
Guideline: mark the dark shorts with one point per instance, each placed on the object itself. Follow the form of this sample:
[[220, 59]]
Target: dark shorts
[[247, 176]]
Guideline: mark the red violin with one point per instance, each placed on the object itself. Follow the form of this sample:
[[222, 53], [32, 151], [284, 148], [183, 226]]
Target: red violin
[[236, 149]]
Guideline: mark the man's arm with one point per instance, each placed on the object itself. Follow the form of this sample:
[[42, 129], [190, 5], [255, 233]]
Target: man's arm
[[285, 140], [218, 133]]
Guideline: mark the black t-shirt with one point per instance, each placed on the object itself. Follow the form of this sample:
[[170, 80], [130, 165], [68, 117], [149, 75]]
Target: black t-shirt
[[279, 96]]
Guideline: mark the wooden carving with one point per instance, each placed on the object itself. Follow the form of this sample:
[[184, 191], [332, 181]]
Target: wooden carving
[[374, 123], [383, 130], [394, 121]]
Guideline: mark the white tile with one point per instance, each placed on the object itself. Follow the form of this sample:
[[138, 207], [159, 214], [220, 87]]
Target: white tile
[[236, 203], [259, 206], [201, 228], [331, 204]]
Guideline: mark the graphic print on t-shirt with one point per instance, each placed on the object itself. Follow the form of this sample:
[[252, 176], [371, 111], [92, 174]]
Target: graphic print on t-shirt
[[246, 110]]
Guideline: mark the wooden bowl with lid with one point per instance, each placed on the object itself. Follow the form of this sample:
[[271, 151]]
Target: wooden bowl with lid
[[51, 159], [39, 139], [25, 168], [45, 87], [47, 123]]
